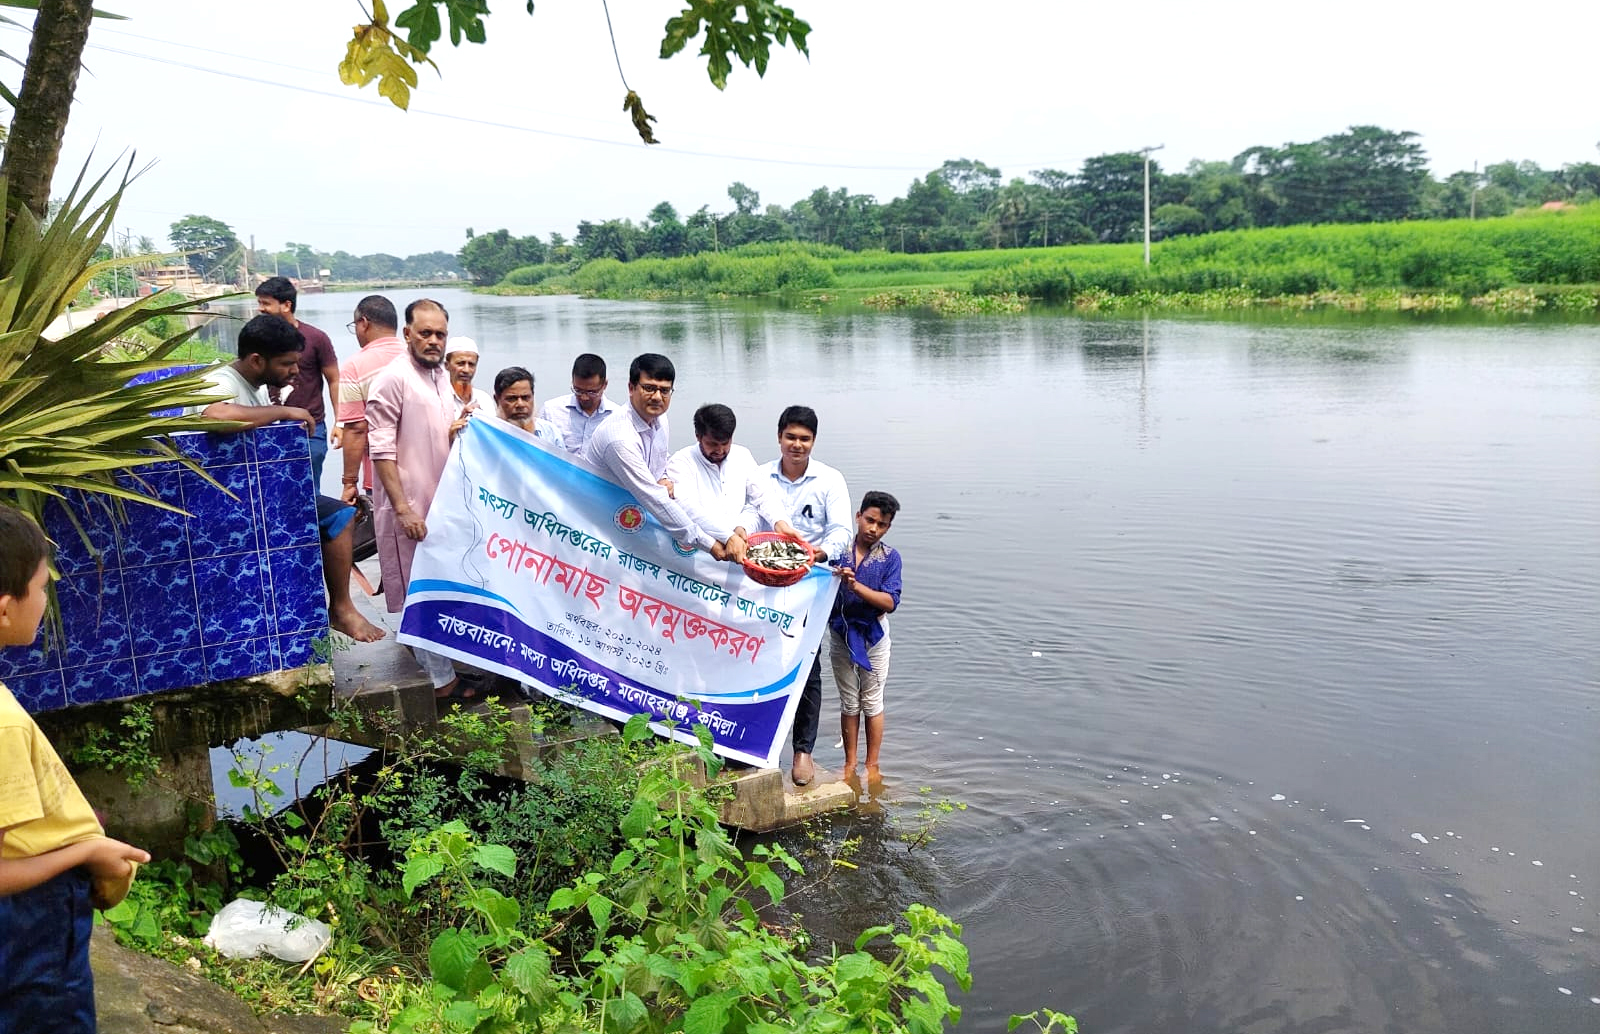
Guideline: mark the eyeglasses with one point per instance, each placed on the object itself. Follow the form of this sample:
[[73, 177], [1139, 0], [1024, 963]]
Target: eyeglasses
[[590, 394], [350, 328], [654, 389]]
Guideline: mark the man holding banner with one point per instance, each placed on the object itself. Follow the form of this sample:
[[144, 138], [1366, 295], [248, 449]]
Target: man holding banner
[[721, 482], [543, 570], [409, 415], [819, 505], [631, 448]]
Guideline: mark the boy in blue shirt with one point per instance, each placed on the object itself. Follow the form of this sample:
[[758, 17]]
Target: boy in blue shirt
[[56, 863], [858, 628]]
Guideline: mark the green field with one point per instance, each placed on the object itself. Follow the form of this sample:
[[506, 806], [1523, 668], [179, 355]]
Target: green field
[[1516, 263]]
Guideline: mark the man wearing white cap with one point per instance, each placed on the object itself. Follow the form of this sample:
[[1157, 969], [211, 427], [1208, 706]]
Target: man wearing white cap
[[461, 359]]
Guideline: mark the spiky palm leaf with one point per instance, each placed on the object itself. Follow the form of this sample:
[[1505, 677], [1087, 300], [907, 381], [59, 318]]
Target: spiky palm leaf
[[67, 419]]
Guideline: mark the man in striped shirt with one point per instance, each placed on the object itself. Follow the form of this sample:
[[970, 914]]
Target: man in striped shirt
[[375, 329]]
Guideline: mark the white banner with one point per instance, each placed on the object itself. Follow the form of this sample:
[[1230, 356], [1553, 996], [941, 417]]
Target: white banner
[[539, 568]]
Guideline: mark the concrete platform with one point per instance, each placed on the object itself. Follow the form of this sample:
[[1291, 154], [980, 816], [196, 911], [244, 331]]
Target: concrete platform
[[392, 698]]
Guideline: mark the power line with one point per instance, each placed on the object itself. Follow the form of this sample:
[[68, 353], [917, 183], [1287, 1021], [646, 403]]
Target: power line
[[322, 73], [492, 124]]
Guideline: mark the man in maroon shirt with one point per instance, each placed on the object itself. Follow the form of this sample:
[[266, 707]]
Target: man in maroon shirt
[[276, 297]]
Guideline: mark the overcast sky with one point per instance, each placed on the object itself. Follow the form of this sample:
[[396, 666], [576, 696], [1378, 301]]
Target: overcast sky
[[240, 104]]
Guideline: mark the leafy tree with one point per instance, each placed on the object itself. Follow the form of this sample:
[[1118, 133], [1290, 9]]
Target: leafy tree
[[1012, 214], [1112, 188], [1367, 174], [1219, 192], [664, 235], [487, 258], [978, 184], [210, 243], [1171, 220], [614, 238], [559, 250], [701, 231], [1582, 179], [926, 218], [1449, 198], [745, 200], [1374, 175]]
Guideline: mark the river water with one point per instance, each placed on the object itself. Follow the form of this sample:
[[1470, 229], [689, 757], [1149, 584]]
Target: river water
[[1264, 655]]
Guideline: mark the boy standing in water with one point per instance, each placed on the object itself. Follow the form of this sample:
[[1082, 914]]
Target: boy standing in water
[[56, 863], [858, 628]]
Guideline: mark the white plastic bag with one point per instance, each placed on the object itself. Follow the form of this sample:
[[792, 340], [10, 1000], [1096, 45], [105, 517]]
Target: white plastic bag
[[244, 929]]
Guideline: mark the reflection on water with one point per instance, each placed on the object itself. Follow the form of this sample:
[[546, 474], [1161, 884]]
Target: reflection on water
[[1263, 653]]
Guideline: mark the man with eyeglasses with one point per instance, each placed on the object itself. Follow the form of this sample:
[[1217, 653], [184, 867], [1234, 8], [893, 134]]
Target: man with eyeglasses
[[374, 328], [577, 415], [632, 448], [409, 413]]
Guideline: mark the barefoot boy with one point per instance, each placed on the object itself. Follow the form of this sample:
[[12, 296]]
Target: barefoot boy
[[858, 628], [56, 863]]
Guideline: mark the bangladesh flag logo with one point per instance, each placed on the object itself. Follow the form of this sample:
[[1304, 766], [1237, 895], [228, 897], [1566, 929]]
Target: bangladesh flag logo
[[629, 518]]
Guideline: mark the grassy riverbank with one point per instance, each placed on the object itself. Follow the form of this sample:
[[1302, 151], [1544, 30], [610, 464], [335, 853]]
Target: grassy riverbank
[[600, 896], [1512, 265]]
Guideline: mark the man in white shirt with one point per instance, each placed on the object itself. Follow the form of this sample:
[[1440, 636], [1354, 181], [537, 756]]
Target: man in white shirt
[[818, 504], [577, 415], [513, 403], [720, 481], [632, 448]]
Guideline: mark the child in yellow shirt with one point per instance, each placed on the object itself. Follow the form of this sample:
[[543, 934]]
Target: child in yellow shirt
[[56, 863]]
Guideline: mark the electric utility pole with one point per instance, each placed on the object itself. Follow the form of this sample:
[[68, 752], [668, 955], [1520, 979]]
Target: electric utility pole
[[1146, 152]]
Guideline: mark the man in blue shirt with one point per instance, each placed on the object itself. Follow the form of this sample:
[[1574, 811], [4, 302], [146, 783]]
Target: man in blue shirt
[[579, 414], [858, 628]]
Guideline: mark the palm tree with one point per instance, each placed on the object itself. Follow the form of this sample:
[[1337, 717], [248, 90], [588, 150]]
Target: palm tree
[[73, 426]]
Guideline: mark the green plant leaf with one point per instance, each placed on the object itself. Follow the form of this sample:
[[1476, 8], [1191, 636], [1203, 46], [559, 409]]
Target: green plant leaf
[[450, 956], [463, 1015], [639, 817], [866, 936], [637, 729], [496, 858], [420, 870], [529, 972], [502, 912], [708, 1014], [855, 966], [626, 1012], [600, 912]]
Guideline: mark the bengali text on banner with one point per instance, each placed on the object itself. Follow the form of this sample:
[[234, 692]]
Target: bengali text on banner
[[538, 568]]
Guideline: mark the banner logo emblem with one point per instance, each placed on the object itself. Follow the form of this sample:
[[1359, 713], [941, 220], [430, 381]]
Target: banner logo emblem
[[629, 518]]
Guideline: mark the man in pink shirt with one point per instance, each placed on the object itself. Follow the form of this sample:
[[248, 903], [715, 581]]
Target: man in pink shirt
[[374, 328], [409, 411]]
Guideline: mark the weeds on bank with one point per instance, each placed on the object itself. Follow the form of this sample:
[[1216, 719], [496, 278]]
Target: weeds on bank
[[671, 937], [927, 816], [129, 751], [602, 897]]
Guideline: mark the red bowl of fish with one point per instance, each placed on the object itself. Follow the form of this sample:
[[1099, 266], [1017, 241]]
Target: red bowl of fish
[[776, 560]]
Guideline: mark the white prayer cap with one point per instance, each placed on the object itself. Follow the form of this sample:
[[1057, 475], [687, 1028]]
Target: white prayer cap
[[460, 344]]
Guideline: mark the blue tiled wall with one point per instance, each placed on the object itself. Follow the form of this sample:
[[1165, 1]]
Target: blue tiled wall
[[234, 589]]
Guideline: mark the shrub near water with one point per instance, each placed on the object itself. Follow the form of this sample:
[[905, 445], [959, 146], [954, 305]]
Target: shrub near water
[[786, 269], [1458, 258]]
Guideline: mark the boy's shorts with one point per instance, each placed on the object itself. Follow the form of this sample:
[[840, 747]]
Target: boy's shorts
[[333, 517], [860, 690], [46, 986]]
